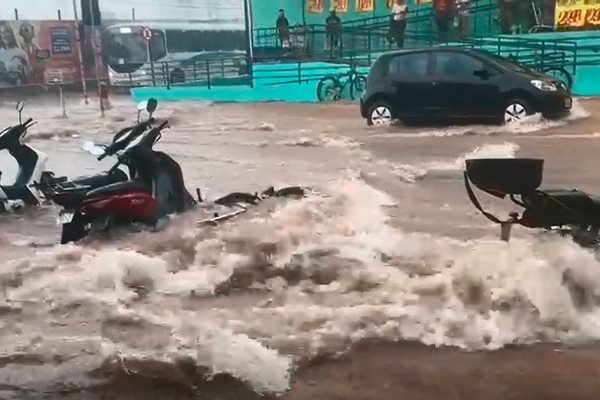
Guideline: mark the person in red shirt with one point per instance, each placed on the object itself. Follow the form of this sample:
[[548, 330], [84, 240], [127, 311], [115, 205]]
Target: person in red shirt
[[443, 18]]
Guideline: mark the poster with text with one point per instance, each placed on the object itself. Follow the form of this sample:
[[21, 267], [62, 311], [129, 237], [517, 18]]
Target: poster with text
[[339, 5], [365, 5], [38, 52], [577, 15], [316, 6]]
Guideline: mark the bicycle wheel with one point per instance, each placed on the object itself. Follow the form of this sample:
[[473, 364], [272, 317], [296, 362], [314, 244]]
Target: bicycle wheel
[[329, 89], [560, 73], [357, 86]]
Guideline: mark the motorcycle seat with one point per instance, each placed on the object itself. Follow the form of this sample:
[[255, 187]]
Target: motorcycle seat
[[105, 179], [576, 200], [557, 207], [118, 187]]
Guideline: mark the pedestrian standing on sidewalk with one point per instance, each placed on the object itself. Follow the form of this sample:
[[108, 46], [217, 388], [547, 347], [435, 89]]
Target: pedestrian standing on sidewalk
[[398, 22], [443, 18]]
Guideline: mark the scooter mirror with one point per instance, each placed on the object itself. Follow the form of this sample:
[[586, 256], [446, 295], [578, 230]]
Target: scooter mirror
[[92, 148], [142, 105], [20, 106], [151, 105]]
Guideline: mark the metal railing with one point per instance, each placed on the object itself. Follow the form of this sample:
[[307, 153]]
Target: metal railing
[[292, 67], [483, 21]]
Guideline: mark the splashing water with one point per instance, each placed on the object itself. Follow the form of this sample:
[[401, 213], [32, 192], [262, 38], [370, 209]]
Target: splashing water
[[529, 124], [318, 275], [294, 280]]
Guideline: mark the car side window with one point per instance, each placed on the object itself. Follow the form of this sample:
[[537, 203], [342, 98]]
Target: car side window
[[457, 65], [409, 66]]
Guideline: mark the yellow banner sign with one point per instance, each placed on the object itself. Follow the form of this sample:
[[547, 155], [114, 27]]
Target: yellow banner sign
[[339, 5], [578, 14], [365, 5], [316, 6]]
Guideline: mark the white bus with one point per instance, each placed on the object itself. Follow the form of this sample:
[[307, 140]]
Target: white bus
[[177, 51]]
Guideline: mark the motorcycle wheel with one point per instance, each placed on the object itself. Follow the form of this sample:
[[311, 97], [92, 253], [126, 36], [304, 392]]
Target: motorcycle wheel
[[73, 231]]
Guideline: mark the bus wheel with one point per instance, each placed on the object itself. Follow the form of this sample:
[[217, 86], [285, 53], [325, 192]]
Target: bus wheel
[[177, 76]]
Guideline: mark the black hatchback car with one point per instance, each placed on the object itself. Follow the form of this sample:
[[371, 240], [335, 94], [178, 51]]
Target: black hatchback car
[[458, 83]]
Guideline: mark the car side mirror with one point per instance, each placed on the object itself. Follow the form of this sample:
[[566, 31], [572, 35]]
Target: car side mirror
[[483, 74]]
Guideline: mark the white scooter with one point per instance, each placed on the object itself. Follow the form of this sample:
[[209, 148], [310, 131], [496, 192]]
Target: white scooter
[[32, 164]]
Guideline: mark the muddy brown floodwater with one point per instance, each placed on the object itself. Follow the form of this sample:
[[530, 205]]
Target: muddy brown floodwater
[[383, 284]]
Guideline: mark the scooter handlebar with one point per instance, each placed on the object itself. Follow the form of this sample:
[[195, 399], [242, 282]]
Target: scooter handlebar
[[138, 129]]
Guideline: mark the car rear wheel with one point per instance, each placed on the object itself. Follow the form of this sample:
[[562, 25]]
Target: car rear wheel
[[515, 111], [379, 114]]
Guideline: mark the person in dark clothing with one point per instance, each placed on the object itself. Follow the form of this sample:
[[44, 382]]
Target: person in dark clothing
[[283, 29], [398, 22], [333, 29], [443, 18], [515, 16]]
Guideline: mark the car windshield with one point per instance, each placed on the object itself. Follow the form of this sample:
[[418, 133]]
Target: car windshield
[[506, 62]]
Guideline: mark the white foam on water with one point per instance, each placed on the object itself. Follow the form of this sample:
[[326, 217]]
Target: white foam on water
[[411, 173], [499, 150], [329, 272], [295, 279], [529, 124]]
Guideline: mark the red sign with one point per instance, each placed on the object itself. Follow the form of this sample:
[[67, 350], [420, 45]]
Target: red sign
[[316, 6], [339, 5], [365, 5], [578, 17], [147, 34], [38, 52]]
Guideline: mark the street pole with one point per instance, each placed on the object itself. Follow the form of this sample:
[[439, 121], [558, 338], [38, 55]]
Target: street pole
[[249, 41], [304, 12], [95, 42], [79, 50]]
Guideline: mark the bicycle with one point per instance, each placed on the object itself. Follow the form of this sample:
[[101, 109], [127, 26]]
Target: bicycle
[[334, 86]]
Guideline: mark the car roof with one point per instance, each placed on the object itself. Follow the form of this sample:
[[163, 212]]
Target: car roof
[[455, 49]]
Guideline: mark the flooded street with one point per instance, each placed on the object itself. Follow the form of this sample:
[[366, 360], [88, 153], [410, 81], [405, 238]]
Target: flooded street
[[387, 257]]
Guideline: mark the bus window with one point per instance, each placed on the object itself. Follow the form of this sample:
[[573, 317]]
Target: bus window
[[185, 41], [157, 45], [202, 41], [126, 48], [233, 40]]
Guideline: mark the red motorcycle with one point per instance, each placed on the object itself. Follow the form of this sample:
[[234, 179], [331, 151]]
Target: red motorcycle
[[154, 190]]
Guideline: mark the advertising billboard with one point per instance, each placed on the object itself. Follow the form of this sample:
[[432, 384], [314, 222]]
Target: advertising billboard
[[577, 15], [38, 52]]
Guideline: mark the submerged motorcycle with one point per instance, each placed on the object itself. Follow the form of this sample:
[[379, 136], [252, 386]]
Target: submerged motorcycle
[[570, 212], [152, 190], [50, 185], [32, 164]]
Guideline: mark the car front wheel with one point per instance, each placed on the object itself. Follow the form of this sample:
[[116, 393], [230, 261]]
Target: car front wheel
[[380, 114], [515, 111]]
